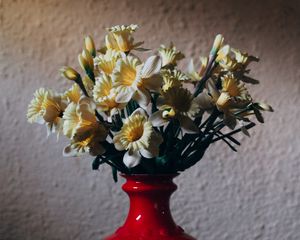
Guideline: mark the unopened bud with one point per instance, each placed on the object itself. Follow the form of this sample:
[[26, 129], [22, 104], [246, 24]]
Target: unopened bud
[[265, 107], [70, 73], [217, 44], [86, 61], [90, 46]]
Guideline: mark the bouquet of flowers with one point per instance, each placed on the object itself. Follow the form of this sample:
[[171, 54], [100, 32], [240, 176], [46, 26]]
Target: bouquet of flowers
[[149, 117]]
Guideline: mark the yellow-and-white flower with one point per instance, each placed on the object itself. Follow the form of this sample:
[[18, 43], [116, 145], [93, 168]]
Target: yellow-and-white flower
[[193, 73], [138, 138], [105, 94], [133, 79], [230, 59], [120, 38], [73, 94], [176, 102], [170, 55], [82, 127], [107, 62], [46, 108], [231, 97], [172, 78]]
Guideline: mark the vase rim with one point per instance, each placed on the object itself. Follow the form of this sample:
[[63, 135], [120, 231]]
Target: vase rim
[[146, 175]]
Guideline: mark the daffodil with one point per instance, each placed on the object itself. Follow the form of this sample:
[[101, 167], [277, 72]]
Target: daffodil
[[176, 102], [133, 79], [138, 138], [193, 73], [230, 59], [82, 127], [232, 96], [46, 108], [107, 62], [73, 94], [105, 94], [120, 38], [170, 55], [172, 78]]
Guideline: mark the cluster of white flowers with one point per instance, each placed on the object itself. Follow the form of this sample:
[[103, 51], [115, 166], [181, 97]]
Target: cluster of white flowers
[[125, 105]]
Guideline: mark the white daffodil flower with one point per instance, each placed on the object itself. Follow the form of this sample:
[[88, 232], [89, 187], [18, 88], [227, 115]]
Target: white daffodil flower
[[170, 55], [193, 73], [134, 80], [73, 94], [176, 102], [120, 38], [82, 127], [232, 96], [138, 138], [47, 108], [105, 95], [107, 62]]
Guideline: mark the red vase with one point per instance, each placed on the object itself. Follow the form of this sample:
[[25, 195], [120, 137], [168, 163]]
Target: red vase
[[149, 216]]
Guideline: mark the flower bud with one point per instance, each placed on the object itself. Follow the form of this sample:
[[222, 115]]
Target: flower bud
[[90, 46], [86, 61], [217, 44], [86, 54], [83, 63], [265, 107], [70, 73]]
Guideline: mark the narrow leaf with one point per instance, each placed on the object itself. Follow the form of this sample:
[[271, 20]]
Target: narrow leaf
[[114, 173], [258, 115]]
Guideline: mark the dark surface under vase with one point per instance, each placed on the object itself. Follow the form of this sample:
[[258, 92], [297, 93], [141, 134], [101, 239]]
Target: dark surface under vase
[[149, 214]]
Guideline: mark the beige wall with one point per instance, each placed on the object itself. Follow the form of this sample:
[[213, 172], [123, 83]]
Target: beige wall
[[252, 194]]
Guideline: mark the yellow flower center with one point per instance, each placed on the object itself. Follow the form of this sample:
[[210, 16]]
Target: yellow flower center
[[128, 75], [179, 99], [135, 133], [230, 85]]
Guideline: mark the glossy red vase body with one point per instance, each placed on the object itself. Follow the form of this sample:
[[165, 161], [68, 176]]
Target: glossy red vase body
[[149, 216]]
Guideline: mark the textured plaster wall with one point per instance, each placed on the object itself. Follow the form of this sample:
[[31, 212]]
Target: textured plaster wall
[[250, 195]]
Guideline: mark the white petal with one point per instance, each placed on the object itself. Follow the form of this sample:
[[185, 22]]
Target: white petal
[[131, 159], [204, 101], [139, 111], [69, 152], [153, 149], [212, 89], [153, 83], [157, 120], [117, 143], [191, 67], [151, 66], [124, 96], [187, 125], [142, 97], [146, 153]]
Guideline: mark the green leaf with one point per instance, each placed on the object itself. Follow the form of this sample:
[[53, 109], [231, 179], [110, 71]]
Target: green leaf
[[96, 163], [114, 173], [258, 115]]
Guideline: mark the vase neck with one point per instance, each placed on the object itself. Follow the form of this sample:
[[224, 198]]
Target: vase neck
[[149, 201]]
